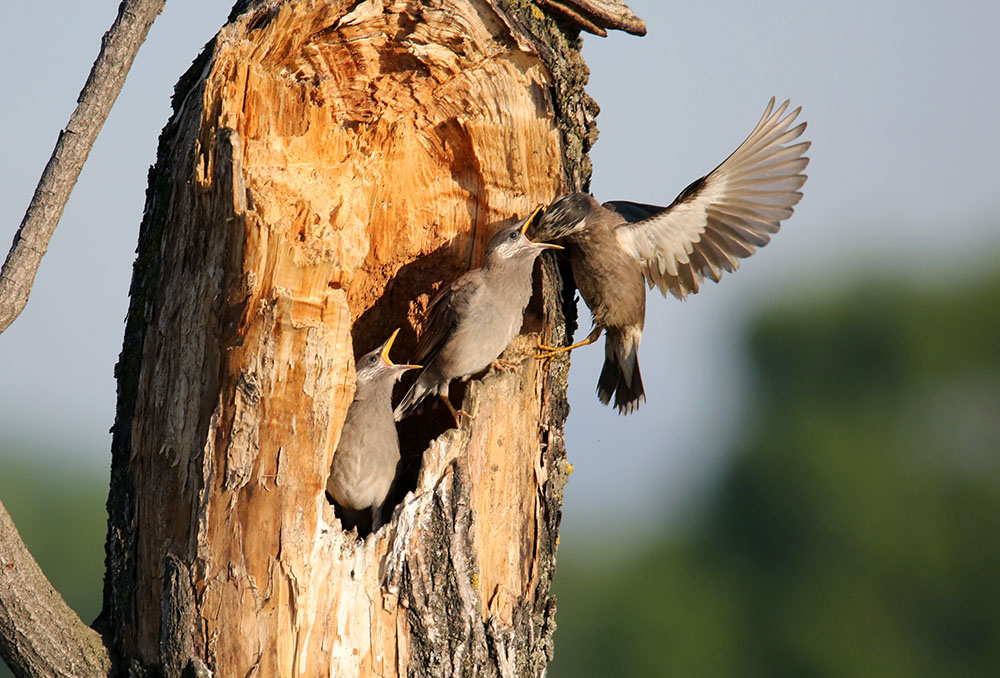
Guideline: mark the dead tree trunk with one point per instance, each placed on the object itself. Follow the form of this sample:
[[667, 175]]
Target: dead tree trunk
[[328, 165]]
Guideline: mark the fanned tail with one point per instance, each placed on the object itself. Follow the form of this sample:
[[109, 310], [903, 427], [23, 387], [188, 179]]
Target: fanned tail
[[620, 375]]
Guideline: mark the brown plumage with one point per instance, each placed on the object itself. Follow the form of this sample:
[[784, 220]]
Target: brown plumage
[[717, 220]]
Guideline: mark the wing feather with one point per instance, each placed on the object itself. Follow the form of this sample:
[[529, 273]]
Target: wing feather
[[714, 260], [726, 215], [721, 245], [445, 309]]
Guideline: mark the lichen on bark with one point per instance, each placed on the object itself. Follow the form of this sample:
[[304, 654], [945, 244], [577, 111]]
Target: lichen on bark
[[246, 275], [558, 44]]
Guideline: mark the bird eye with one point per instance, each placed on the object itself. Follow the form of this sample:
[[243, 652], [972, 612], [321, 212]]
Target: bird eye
[[372, 360], [512, 236]]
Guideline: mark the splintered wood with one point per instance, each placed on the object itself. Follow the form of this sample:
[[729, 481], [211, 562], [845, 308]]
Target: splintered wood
[[334, 165]]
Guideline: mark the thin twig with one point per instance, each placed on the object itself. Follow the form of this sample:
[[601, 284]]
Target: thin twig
[[118, 49]]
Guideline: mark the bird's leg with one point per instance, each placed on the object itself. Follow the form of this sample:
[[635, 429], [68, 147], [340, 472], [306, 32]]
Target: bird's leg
[[552, 351], [455, 413], [376, 517]]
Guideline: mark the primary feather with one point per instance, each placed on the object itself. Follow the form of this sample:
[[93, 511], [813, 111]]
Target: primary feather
[[724, 216]]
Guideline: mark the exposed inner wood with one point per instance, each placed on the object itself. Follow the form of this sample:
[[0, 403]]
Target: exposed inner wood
[[341, 161]]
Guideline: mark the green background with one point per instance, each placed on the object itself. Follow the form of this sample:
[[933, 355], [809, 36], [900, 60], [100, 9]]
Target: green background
[[853, 530]]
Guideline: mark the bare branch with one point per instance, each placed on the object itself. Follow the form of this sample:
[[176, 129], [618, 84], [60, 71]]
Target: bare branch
[[598, 16], [118, 49], [39, 634]]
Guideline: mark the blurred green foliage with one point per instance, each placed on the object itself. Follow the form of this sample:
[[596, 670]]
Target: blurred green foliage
[[856, 531], [59, 512]]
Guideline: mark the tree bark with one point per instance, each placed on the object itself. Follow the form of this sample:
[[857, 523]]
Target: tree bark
[[331, 163], [39, 634]]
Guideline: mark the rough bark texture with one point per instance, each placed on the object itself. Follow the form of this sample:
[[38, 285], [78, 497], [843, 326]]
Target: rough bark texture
[[39, 634], [329, 165], [118, 49]]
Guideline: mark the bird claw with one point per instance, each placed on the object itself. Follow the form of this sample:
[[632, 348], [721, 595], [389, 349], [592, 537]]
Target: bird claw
[[456, 414], [509, 366], [549, 352], [551, 349]]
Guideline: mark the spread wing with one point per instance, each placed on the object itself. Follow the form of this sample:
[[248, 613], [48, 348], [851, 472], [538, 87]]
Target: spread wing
[[633, 211], [724, 216], [445, 311]]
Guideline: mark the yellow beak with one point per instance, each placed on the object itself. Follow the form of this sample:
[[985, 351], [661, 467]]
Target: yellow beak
[[528, 222], [385, 353]]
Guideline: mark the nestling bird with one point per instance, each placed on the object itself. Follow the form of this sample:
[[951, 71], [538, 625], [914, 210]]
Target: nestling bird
[[714, 222], [472, 320], [364, 463]]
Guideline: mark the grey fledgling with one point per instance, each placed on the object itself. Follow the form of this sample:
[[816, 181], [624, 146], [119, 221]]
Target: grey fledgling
[[472, 320], [714, 222], [364, 463]]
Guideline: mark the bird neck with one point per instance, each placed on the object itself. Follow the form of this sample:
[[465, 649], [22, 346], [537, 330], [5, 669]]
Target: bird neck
[[509, 264], [378, 389]]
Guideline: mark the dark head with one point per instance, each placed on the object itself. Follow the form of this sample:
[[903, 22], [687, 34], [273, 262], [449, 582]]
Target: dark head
[[375, 369], [512, 243], [566, 215]]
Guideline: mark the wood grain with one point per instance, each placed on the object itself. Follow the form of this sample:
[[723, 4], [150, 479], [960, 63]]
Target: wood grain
[[334, 164]]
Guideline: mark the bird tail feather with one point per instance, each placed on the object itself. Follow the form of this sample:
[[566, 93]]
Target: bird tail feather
[[620, 375], [418, 391]]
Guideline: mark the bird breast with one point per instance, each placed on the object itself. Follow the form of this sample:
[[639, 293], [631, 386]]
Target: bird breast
[[364, 463], [609, 280]]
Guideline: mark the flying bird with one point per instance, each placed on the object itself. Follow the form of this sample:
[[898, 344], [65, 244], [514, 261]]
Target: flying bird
[[472, 320], [364, 463], [720, 218]]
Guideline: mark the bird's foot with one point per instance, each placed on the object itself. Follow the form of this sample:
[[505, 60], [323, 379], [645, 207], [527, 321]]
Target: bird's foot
[[457, 414], [508, 366], [550, 352]]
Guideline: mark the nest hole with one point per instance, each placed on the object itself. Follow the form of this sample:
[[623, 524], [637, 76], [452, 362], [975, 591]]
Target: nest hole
[[392, 310]]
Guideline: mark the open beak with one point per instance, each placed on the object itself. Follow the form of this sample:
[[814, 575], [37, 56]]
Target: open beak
[[385, 354], [528, 222]]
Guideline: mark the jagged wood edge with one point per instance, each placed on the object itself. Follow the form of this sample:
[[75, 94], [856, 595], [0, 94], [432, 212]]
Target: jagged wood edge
[[576, 118]]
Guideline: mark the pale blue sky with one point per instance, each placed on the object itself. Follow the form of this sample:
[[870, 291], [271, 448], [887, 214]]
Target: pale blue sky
[[902, 104]]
